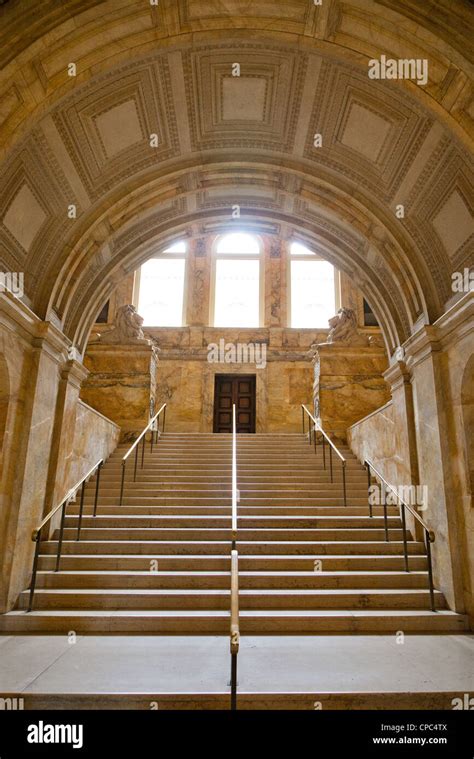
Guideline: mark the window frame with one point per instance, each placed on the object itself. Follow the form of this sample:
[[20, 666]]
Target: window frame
[[308, 257], [163, 254], [215, 256]]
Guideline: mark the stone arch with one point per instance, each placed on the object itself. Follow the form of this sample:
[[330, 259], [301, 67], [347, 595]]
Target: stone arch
[[467, 409]]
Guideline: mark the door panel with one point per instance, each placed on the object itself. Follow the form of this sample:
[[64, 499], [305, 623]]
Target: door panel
[[238, 389]]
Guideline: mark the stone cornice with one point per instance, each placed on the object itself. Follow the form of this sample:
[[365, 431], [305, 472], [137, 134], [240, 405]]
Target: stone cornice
[[397, 375], [74, 373], [449, 328]]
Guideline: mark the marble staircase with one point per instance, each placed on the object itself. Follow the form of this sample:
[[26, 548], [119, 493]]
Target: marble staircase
[[160, 562]]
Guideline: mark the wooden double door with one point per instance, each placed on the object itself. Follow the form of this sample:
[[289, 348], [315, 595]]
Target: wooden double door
[[241, 390]]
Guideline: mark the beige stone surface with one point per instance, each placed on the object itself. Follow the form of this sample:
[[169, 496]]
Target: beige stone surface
[[348, 384], [121, 383]]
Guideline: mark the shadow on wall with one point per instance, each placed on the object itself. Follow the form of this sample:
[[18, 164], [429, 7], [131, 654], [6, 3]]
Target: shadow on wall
[[467, 401]]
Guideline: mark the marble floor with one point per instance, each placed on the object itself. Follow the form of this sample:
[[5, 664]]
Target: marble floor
[[268, 664]]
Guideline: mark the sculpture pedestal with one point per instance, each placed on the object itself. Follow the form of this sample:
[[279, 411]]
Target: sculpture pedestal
[[348, 385], [121, 384]]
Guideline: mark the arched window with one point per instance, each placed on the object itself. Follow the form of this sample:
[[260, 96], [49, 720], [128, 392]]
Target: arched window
[[160, 286], [236, 292], [314, 288]]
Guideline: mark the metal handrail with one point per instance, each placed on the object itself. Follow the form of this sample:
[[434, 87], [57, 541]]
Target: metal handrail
[[234, 626], [234, 574], [36, 534], [234, 478], [316, 427], [429, 535], [134, 446]]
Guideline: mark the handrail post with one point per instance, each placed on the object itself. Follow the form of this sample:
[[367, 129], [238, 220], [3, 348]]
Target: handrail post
[[81, 508], [369, 485], [344, 482], [164, 419], [35, 568], [405, 546], [97, 488], [60, 540], [430, 569], [302, 417], [143, 452], [385, 513], [324, 454], [135, 467], [330, 461], [124, 464]]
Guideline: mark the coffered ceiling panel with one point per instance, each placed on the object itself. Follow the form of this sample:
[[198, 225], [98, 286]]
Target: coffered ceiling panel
[[25, 217], [288, 14], [259, 109], [454, 223], [369, 135], [107, 128]]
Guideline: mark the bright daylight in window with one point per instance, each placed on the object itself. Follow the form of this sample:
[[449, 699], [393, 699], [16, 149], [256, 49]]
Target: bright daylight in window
[[237, 281], [313, 290], [161, 291]]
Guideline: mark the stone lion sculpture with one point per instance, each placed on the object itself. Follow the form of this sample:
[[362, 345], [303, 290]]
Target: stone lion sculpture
[[127, 329], [343, 328]]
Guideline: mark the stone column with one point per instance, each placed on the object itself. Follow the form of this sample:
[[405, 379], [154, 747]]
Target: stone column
[[402, 469], [436, 452], [34, 351], [198, 282], [274, 260], [72, 375]]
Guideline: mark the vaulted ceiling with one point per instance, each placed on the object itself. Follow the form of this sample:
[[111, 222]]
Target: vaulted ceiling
[[224, 140]]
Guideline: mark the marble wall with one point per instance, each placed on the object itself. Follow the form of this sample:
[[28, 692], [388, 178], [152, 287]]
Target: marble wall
[[43, 450], [95, 437], [185, 376], [32, 353], [423, 436], [348, 384]]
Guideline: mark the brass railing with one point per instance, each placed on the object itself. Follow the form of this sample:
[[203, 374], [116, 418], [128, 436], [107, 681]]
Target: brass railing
[[155, 433], [234, 576], [314, 429], [429, 535], [36, 535]]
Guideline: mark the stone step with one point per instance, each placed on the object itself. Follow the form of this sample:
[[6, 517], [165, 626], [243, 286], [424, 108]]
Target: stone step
[[261, 490], [243, 522], [125, 562], [219, 599], [184, 500], [270, 700], [303, 511], [217, 622], [200, 579], [254, 547], [214, 533]]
